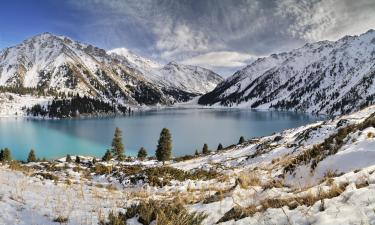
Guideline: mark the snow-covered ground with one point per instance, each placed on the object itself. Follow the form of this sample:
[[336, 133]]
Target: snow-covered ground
[[262, 181], [13, 105]]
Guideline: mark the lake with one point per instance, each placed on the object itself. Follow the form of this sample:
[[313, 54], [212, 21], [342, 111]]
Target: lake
[[190, 129]]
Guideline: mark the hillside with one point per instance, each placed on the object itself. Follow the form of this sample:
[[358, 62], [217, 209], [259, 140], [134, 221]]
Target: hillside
[[325, 77], [48, 62], [192, 79], [321, 173]]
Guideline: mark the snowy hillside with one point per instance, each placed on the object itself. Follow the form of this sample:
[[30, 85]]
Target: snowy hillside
[[322, 173], [324, 77], [192, 79], [54, 62]]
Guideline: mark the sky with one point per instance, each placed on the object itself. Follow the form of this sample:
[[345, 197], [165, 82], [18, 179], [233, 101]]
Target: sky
[[222, 35]]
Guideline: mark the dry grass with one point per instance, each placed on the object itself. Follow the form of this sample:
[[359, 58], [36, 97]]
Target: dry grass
[[248, 179], [161, 213], [308, 199]]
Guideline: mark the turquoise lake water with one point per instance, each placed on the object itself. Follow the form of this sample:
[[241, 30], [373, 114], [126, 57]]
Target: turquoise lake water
[[190, 129]]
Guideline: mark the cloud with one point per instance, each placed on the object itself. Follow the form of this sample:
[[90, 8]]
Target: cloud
[[176, 39], [220, 59], [217, 33], [327, 19]]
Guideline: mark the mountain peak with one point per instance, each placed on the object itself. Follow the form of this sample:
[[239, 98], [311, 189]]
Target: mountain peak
[[51, 61], [328, 77], [134, 58]]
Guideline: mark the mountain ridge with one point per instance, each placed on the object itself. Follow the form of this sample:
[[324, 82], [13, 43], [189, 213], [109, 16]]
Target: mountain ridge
[[326, 77], [48, 61]]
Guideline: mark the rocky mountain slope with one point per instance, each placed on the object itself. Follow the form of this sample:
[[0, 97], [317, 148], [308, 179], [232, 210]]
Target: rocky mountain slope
[[323, 77], [54, 62], [192, 79]]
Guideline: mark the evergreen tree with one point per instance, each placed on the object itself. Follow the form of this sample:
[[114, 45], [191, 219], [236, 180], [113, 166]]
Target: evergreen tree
[[94, 160], [164, 148], [5, 155], [242, 140], [205, 149], [220, 147], [78, 160], [142, 153], [32, 156], [117, 145], [107, 156], [68, 158], [196, 152]]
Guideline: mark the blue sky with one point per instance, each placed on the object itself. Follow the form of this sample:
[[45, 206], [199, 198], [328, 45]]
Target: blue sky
[[221, 35]]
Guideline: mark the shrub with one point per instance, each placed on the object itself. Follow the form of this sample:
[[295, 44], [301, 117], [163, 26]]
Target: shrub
[[107, 156], [5, 155], [101, 169], [68, 158], [142, 153], [47, 176], [32, 156], [241, 141], [61, 219], [205, 150], [163, 213], [184, 158]]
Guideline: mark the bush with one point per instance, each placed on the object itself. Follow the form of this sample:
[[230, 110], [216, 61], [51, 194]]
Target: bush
[[101, 169], [163, 213], [61, 219], [47, 176], [32, 156], [5, 155], [142, 153]]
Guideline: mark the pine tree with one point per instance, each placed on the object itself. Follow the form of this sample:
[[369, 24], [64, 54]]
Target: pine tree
[[94, 160], [196, 152], [5, 155], [220, 147], [32, 156], [117, 145], [142, 153], [164, 148], [107, 156], [242, 140], [78, 160], [68, 158], [205, 149]]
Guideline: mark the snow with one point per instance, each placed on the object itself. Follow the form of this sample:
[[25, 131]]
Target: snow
[[316, 77], [86, 199], [63, 64], [13, 105], [188, 78]]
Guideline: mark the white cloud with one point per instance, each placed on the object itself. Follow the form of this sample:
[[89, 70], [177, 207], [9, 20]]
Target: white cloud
[[176, 39], [327, 19], [220, 59], [213, 33]]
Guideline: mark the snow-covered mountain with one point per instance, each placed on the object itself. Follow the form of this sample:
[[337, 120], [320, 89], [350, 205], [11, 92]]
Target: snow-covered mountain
[[192, 79], [47, 61], [323, 77]]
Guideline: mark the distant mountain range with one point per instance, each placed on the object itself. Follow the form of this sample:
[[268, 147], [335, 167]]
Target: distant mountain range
[[48, 61], [324, 77]]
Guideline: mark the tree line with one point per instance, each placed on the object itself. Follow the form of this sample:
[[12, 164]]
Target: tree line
[[75, 106]]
